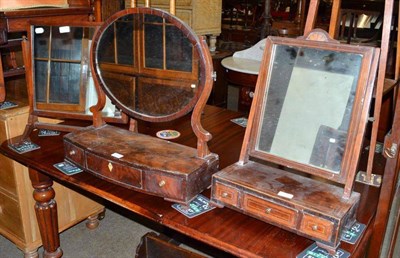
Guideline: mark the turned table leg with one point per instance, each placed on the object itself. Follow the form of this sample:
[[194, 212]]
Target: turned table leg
[[46, 213]]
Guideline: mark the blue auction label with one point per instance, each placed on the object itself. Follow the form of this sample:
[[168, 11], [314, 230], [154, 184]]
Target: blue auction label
[[314, 251], [352, 235], [24, 146], [199, 205]]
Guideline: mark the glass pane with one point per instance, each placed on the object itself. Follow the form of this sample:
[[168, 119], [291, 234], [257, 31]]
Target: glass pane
[[65, 83], [106, 47], [41, 41], [41, 80], [179, 50], [125, 42], [308, 105], [66, 42], [153, 46]]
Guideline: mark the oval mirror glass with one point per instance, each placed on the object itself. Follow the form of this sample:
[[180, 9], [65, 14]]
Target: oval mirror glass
[[148, 63]]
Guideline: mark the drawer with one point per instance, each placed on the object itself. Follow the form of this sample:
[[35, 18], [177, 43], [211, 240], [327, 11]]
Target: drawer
[[164, 186], [74, 153], [10, 216], [116, 172], [317, 227], [270, 211], [226, 194]]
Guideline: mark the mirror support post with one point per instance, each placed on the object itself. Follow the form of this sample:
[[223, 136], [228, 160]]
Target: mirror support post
[[203, 136]]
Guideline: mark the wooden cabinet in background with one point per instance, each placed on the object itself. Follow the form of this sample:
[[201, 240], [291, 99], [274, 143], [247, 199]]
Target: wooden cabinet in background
[[17, 213], [204, 17]]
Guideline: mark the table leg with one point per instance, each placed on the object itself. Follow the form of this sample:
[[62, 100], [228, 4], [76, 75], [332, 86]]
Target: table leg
[[46, 213]]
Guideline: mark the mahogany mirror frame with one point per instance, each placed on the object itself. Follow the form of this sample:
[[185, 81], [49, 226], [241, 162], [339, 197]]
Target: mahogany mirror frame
[[35, 112], [199, 68], [317, 39]]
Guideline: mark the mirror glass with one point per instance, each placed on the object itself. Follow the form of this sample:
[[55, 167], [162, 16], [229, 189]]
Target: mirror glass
[[148, 65], [306, 115], [62, 79]]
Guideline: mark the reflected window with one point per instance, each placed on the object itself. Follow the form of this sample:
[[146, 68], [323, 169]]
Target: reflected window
[[148, 65], [163, 46]]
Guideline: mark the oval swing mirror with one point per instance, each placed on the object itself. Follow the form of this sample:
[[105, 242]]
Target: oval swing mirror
[[149, 63]]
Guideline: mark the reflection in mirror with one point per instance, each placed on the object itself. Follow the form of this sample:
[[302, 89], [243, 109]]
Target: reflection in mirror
[[62, 80], [306, 115], [148, 66]]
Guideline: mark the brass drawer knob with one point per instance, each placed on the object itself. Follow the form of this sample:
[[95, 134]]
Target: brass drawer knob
[[161, 183], [268, 210], [224, 195], [314, 228], [72, 153]]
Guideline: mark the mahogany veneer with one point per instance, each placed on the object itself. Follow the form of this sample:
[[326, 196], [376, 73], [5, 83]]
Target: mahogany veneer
[[316, 209], [148, 164]]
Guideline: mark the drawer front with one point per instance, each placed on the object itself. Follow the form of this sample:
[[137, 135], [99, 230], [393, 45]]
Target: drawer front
[[226, 194], [10, 216], [317, 227], [165, 186], [118, 173], [271, 211], [74, 153]]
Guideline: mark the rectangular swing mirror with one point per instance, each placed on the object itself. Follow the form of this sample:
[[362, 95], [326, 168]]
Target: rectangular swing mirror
[[60, 81], [308, 119], [309, 114]]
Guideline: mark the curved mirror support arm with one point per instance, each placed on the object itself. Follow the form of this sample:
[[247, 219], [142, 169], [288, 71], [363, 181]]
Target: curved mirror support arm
[[101, 99], [203, 136]]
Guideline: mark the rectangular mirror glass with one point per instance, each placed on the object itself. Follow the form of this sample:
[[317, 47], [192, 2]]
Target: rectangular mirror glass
[[308, 105]]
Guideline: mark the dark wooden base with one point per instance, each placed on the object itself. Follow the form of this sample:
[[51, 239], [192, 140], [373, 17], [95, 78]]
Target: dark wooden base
[[140, 162], [308, 207]]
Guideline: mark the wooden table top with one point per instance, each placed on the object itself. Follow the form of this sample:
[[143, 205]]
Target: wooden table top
[[225, 229]]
